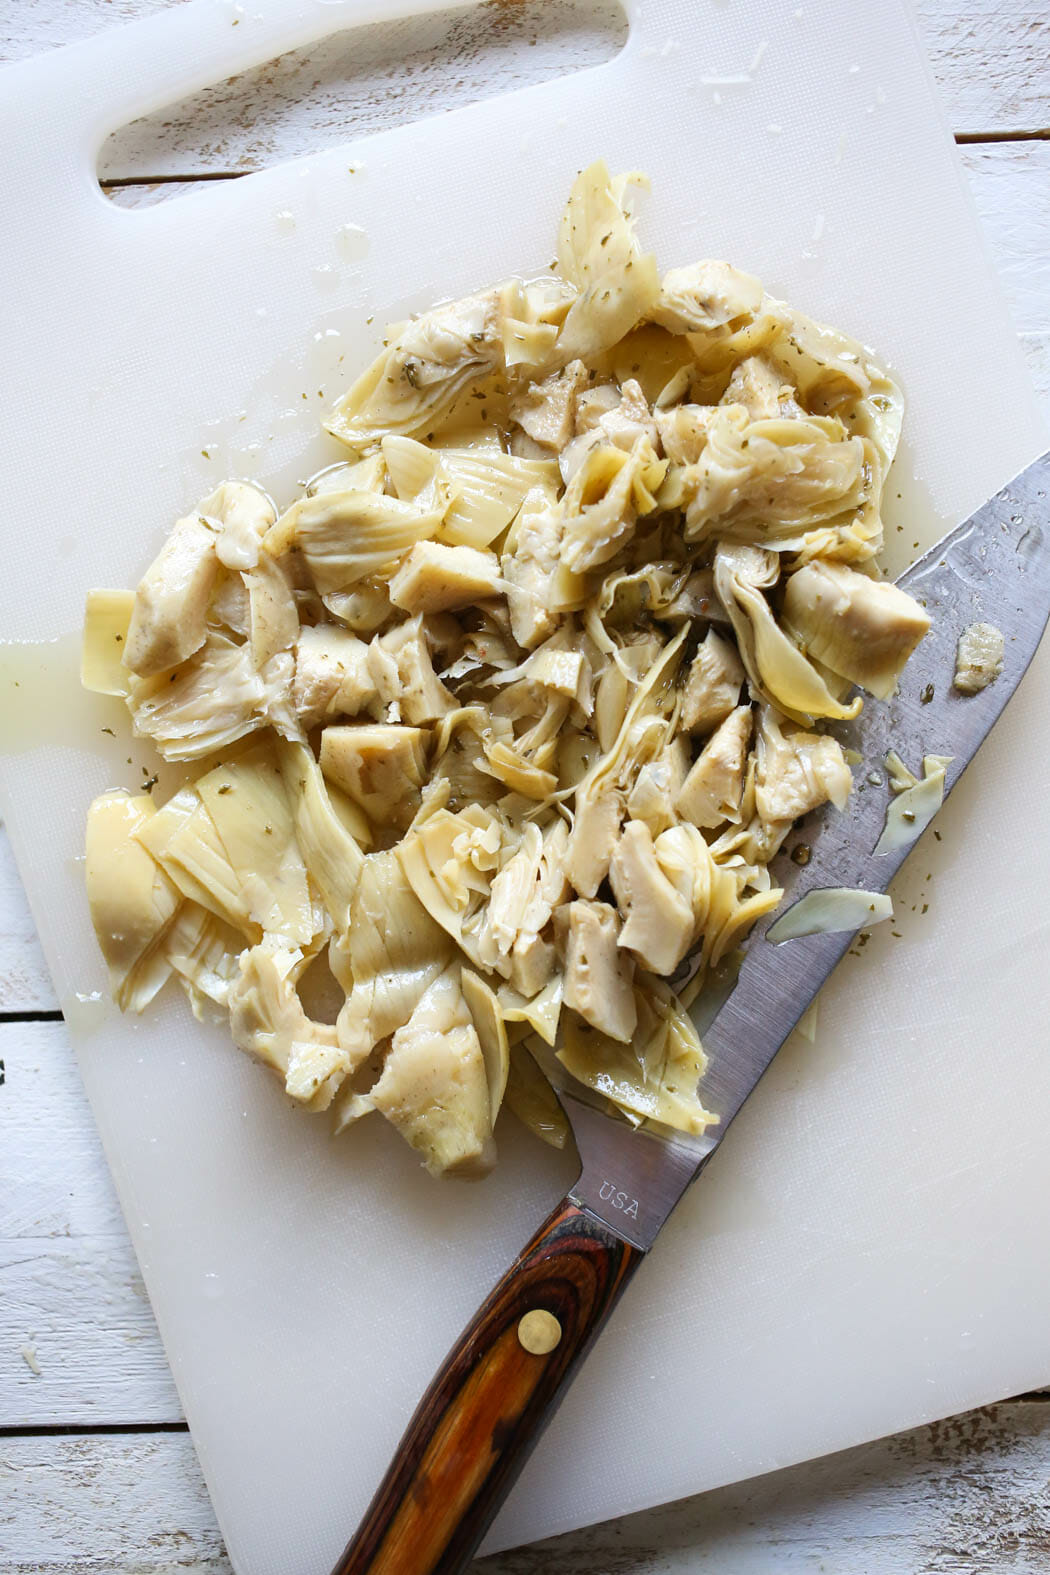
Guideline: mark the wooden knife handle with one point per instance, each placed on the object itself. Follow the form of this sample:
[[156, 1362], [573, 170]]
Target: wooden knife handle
[[498, 1386]]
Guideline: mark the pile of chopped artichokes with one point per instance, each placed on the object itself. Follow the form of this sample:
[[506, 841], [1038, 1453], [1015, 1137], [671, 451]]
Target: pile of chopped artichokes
[[510, 711]]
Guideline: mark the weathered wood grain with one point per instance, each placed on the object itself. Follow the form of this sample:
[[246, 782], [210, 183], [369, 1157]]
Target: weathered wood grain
[[966, 1497], [24, 982], [988, 59], [476, 1425], [78, 1344]]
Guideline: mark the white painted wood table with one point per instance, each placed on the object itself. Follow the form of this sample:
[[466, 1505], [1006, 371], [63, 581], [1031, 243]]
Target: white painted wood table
[[97, 1471]]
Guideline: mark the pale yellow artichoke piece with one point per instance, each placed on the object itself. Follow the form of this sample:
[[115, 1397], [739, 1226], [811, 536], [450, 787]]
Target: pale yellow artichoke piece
[[530, 316], [598, 978], [183, 839], [861, 628], [267, 1020], [433, 361], [437, 577], [546, 411], [381, 766], [169, 618], [658, 923], [829, 910], [329, 830], [654, 1077], [250, 809], [683, 437], [348, 537], [364, 609], [491, 1030], [763, 391], [655, 794], [241, 514], [487, 490], [542, 1013], [204, 952], [772, 481], [797, 771], [392, 951], [332, 677], [434, 1089], [170, 613], [362, 475], [132, 901], [712, 791], [449, 861], [912, 810], [978, 658], [531, 570], [209, 702], [705, 296], [530, 1097], [596, 827], [599, 254], [274, 617], [480, 488], [775, 666], [712, 688], [107, 615], [520, 775], [604, 500], [711, 890], [611, 416], [513, 891], [401, 667], [610, 704]]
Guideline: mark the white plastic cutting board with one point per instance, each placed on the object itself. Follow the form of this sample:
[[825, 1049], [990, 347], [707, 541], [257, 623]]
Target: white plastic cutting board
[[869, 1249]]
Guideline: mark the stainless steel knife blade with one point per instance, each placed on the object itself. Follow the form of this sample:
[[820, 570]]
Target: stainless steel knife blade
[[994, 568]]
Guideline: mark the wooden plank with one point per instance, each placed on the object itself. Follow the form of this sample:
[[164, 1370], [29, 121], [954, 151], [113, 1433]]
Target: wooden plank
[[119, 1505], [78, 1343], [955, 1498], [24, 982], [988, 57], [990, 62]]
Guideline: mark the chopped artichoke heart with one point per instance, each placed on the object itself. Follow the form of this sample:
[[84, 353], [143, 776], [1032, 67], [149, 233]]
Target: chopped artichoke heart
[[131, 898], [599, 255], [393, 951], [505, 716], [434, 1088], [413, 384], [911, 811], [655, 1076], [107, 615], [530, 1097], [861, 628], [380, 767], [347, 537], [329, 833], [978, 658], [436, 577], [829, 910]]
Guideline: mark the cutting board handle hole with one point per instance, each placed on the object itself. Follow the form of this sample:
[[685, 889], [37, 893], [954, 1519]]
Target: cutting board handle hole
[[354, 83]]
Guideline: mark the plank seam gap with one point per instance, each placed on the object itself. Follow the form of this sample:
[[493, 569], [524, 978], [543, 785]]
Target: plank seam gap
[[83, 1430], [119, 182], [31, 1017], [968, 138]]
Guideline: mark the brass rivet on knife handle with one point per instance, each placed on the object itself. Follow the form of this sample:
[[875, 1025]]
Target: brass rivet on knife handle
[[477, 1423], [539, 1332]]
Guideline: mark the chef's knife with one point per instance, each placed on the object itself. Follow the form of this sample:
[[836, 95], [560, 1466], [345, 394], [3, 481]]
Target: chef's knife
[[501, 1382]]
